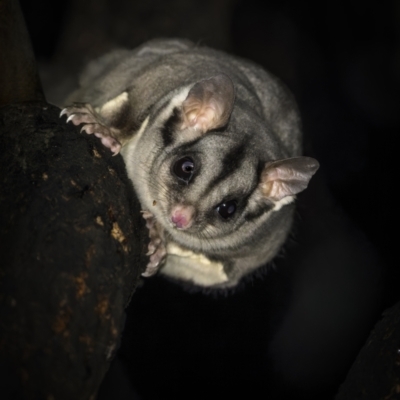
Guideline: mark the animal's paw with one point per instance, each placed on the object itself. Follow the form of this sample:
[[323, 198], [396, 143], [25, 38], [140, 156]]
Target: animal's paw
[[80, 113], [156, 247], [83, 113]]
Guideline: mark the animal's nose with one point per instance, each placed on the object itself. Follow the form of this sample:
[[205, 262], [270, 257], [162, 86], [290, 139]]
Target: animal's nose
[[182, 216]]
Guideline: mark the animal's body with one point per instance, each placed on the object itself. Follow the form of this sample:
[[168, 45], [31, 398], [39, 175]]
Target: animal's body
[[212, 144]]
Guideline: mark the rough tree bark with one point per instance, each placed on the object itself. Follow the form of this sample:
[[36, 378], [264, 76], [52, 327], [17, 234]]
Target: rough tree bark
[[71, 239]]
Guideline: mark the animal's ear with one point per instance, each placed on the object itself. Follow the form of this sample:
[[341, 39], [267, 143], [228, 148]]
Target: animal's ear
[[209, 104], [287, 177]]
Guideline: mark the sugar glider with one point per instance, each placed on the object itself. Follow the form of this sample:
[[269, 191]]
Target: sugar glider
[[212, 144]]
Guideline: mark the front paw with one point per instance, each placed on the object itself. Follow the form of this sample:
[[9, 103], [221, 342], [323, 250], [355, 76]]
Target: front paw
[[83, 113], [156, 248]]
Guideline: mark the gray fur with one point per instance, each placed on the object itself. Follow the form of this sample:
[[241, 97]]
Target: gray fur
[[234, 154]]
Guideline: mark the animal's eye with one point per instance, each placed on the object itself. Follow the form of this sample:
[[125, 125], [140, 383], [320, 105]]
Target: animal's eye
[[227, 209], [184, 168]]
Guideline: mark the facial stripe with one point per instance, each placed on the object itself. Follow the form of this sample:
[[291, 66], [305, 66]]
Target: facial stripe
[[230, 163], [169, 127], [260, 210]]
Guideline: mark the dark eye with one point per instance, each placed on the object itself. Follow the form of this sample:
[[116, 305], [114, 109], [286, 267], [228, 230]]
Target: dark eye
[[184, 168], [227, 209]]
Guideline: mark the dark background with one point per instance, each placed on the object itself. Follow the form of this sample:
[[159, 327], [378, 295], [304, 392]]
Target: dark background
[[294, 331]]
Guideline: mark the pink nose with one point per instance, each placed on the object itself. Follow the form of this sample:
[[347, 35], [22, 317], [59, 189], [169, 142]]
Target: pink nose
[[182, 216]]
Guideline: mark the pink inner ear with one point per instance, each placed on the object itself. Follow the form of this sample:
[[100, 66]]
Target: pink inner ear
[[276, 190], [272, 185], [198, 115], [273, 174], [208, 104], [287, 177], [204, 119]]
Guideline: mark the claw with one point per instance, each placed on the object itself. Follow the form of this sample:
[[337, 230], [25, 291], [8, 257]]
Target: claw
[[146, 214], [80, 113], [152, 247], [156, 247], [70, 117], [155, 260], [149, 272]]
